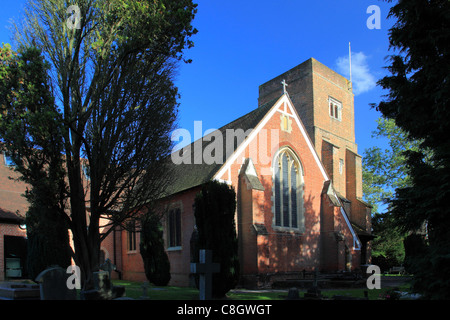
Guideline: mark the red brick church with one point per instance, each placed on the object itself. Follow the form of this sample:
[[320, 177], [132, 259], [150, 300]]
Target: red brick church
[[294, 165], [297, 176]]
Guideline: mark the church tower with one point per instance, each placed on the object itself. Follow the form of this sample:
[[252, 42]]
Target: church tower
[[325, 103]]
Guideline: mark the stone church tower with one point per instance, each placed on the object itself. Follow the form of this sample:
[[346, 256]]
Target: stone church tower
[[325, 103]]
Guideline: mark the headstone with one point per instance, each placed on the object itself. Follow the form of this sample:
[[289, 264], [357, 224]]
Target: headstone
[[53, 284], [313, 293], [205, 268], [293, 294], [102, 281], [103, 288]]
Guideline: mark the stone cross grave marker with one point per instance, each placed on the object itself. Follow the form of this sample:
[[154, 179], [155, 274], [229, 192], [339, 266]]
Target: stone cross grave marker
[[205, 268], [145, 286], [108, 266]]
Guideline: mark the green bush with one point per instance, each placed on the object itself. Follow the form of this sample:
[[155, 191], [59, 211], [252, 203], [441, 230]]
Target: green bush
[[156, 262], [47, 239]]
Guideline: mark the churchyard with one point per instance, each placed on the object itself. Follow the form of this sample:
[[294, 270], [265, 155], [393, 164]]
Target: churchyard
[[134, 290], [144, 291], [56, 283]]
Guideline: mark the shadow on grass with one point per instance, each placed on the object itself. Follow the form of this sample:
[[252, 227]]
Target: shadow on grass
[[134, 290]]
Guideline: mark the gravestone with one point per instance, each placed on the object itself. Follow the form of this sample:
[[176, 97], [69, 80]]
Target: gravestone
[[102, 283], [293, 294], [53, 284], [205, 268], [103, 288]]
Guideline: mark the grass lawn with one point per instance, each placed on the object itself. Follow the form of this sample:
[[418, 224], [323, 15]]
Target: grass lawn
[[134, 290]]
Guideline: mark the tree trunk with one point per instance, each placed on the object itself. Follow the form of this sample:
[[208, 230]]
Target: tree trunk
[[79, 228]]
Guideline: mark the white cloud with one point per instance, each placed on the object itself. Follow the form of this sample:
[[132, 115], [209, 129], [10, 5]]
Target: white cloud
[[362, 79]]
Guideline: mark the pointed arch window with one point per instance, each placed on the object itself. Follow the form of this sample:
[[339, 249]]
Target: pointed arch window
[[288, 191]]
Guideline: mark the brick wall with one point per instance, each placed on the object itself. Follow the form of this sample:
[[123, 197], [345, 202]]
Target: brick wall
[[327, 158], [247, 236], [111, 246], [327, 83], [132, 264], [359, 213]]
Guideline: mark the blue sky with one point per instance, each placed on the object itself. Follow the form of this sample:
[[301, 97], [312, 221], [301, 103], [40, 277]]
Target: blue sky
[[242, 44]]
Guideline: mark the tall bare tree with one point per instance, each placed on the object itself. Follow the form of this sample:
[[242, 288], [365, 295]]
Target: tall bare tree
[[112, 70]]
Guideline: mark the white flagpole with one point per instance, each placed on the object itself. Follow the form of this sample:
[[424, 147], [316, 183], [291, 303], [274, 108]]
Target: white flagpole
[[350, 60]]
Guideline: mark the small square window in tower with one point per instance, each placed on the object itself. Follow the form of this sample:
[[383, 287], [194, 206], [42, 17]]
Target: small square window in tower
[[335, 109]]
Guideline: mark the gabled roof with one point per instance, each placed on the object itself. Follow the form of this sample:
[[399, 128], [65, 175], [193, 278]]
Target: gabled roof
[[10, 217], [191, 175], [328, 189], [13, 205], [249, 172]]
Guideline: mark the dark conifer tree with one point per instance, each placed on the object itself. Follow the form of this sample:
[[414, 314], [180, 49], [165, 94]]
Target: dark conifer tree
[[156, 261], [30, 132], [418, 101], [214, 210]]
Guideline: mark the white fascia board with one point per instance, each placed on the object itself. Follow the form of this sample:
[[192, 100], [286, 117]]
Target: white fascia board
[[356, 242]]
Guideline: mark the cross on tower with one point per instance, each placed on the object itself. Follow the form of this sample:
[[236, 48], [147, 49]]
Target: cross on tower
[[205, 269], [284, 86]]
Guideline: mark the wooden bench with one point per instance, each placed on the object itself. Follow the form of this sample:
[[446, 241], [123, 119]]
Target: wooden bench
[[398, 270]]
